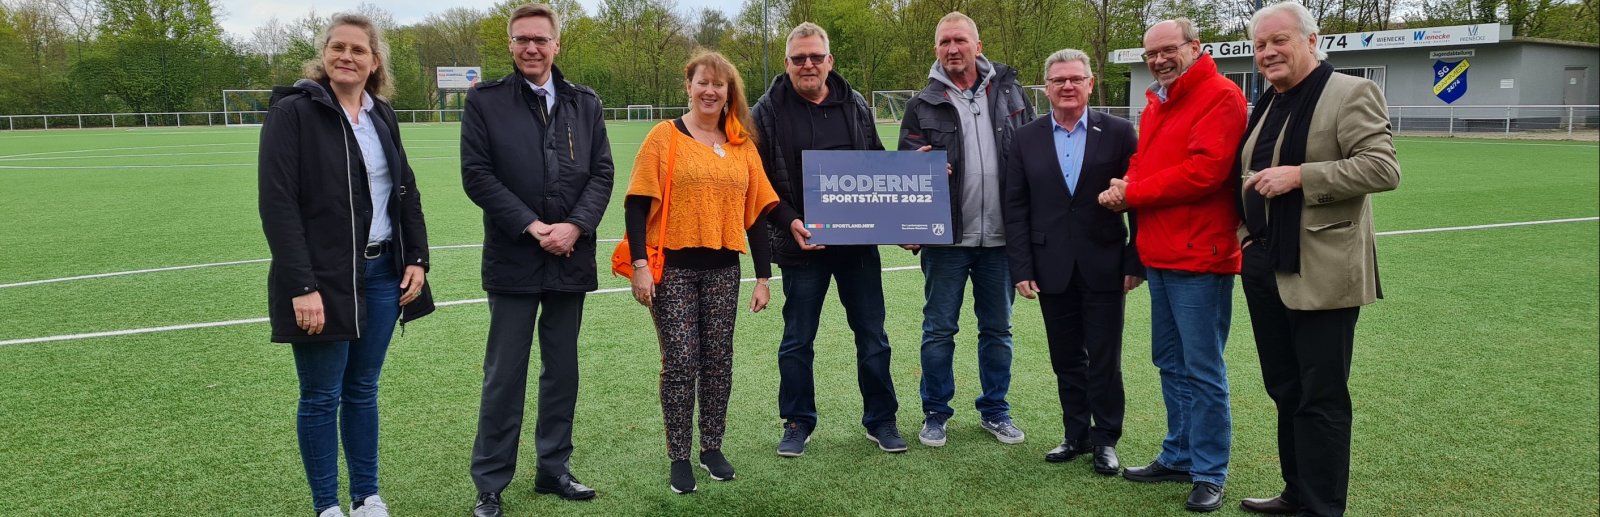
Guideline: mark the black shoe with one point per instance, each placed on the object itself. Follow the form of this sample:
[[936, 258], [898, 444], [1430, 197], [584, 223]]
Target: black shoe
[[564, 485], [717, 465], [1273, 506], [1155, 472], [1068, 450], [1205, 497], [682, 477], [1105, 460], [887, 436], [488, 505], [795, 438]]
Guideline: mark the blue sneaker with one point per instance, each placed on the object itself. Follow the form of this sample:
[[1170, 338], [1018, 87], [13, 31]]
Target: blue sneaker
[[887, 436], [932, 434], [795, 438]]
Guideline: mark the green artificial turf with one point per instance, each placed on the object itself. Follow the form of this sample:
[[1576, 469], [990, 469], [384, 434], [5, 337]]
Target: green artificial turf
[[1476, 383]]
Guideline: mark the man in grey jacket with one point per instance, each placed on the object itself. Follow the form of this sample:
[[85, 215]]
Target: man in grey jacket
[[969, 109]]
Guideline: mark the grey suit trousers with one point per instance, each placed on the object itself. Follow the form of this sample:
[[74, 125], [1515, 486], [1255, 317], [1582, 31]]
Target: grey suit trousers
[[505, 384]]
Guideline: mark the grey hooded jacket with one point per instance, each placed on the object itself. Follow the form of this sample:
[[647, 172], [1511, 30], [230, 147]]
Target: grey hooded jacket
[[941, 115]]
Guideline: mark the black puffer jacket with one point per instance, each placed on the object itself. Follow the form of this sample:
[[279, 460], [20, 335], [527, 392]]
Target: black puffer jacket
[[931, 119], [786, 179], [516, 183], [316, 211]]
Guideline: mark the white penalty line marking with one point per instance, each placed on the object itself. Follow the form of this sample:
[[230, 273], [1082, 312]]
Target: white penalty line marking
[[214, 264], [627, 289]]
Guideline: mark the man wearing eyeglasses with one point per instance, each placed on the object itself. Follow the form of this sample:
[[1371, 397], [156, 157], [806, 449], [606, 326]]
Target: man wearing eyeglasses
[[535, 157], [1074, 255], [810, 107], [1178, 185], [969, 109]]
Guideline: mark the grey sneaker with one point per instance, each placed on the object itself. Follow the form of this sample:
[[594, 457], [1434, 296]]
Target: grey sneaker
[[795, 438], [1004, 430], [332, 512], [932, 434]]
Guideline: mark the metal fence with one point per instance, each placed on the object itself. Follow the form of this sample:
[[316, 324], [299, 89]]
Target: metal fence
[[1473, 121]]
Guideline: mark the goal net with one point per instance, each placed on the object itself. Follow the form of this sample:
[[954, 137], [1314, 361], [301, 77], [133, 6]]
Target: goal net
[[1041, 102], [245, 107], [641, 112], [890, 105]]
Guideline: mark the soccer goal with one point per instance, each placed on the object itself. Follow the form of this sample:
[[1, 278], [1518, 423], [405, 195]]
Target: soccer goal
[[641, 112], [890, 105], [1041, 102], [245, 107]]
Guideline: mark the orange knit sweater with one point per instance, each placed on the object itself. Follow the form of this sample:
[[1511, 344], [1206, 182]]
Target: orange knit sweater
[[714, 199]]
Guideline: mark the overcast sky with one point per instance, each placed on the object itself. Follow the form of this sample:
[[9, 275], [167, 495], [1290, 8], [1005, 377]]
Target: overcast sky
[[243, 16]]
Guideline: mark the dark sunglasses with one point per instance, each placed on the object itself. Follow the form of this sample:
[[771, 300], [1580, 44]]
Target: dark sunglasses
[[815, 59]]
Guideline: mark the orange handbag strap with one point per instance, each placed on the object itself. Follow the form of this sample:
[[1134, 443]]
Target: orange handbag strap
[[672, 160]]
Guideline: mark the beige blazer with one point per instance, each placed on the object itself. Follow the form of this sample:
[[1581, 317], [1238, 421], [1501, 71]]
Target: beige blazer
[[1349, 155]]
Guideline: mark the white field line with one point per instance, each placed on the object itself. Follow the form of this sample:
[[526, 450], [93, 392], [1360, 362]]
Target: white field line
[[213, 264], [264, 320], [620, 290], [123, 149], [1475, 142], [21, 167], [1483, 226]]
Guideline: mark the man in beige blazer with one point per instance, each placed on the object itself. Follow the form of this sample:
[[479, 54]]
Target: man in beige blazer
[[1321, 143]]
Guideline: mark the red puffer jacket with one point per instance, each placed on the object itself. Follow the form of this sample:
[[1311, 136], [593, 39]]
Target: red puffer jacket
[[1178, 180]]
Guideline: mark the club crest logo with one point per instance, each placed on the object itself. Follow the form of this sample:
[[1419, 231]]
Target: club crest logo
[[938, 229], [1450, 80]]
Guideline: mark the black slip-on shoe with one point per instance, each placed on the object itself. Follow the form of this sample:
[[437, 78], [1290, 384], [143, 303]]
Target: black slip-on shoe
[[716, 465], [682, 477]]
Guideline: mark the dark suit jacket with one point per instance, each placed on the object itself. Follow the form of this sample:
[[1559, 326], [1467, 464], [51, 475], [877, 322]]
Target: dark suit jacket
[[1050, 231]]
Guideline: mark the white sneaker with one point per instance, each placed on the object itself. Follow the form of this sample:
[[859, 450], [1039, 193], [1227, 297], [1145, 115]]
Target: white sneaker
[[332, 512], [372, 507]]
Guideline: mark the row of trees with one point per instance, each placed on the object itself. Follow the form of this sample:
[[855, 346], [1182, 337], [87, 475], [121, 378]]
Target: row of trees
[[78, 56]]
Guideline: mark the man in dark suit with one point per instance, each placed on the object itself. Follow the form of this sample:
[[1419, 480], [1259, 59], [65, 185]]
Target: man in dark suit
[[535, 157], [1073, 254]]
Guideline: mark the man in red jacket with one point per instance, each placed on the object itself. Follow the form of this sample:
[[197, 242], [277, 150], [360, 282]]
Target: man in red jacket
[[1178, 183]]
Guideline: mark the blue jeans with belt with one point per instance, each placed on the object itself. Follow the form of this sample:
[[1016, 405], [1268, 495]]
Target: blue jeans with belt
[[1190, 315], [945, 271], [339, 395]]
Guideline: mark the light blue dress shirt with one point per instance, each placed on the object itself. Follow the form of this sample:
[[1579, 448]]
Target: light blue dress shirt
[[1069, 148], [379, 181]]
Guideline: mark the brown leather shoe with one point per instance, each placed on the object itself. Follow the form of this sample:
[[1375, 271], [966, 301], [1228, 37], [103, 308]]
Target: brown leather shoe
[[1273, 506]]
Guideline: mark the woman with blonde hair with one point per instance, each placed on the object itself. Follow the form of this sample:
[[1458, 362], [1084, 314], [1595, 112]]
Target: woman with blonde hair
[[341, 214], [699, 178]]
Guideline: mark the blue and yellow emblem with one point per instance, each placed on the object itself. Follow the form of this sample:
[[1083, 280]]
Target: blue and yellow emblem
[[1450, 80]]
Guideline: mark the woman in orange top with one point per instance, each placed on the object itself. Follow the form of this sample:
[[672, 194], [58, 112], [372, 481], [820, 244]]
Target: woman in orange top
[[719, 194]]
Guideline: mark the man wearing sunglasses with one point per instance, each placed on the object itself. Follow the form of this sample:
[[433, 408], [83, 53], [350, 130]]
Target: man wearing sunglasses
[[1178, 185], [969, 109], [810, 107]]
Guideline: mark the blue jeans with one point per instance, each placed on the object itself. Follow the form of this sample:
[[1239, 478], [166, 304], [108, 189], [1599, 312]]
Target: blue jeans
[[339, 395], [945, 272], [1190, 314], [805, 288]]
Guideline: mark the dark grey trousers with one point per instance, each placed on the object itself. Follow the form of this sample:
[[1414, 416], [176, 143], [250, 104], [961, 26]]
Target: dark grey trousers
[[505, 384]]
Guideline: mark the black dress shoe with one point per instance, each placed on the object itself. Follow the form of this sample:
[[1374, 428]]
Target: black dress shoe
[[488, 505], [564, 485], [1155, 472], [1068, 450], [1105, 460], [1205, 497], [1273, 506]]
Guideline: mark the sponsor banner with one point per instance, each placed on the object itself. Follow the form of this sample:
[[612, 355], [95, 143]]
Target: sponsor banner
[[459, 77], [877, 197], [1355, 41]]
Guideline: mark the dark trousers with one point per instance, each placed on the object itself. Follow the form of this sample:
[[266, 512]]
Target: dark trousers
[[1085, 332], [505, 384], [805, 288], [1305, 363]]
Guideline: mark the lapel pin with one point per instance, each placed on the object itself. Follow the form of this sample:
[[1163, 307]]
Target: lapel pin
[[1097, 128]]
